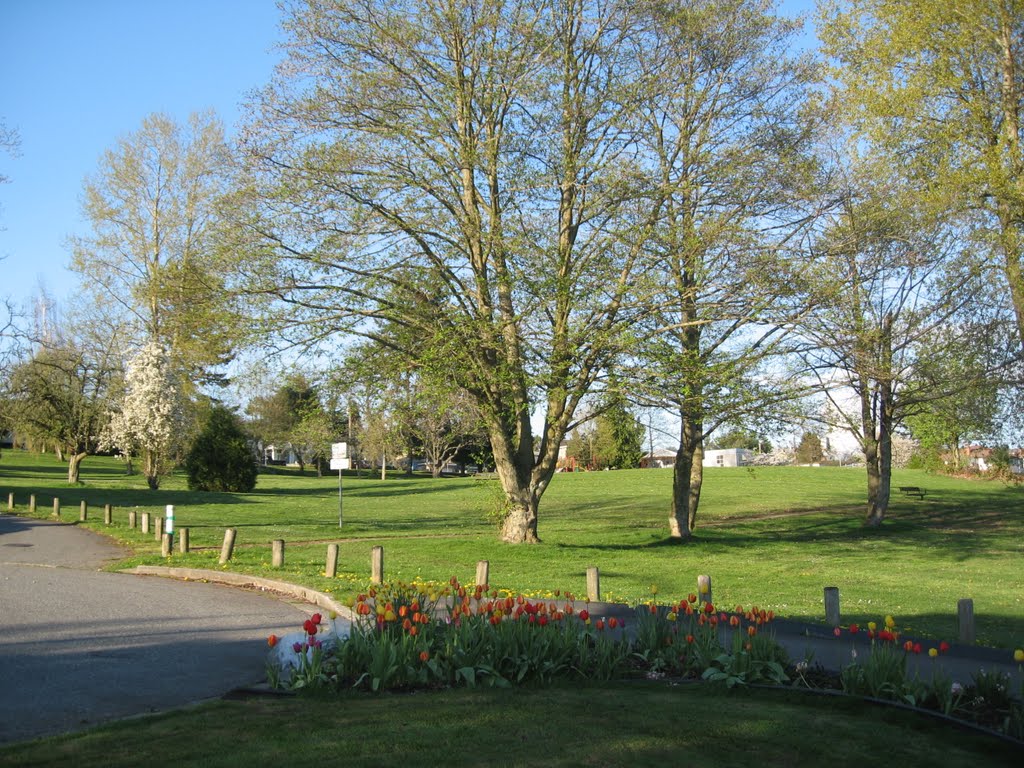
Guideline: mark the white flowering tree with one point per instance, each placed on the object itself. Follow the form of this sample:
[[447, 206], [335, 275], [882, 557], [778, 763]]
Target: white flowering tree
[[149, 416]]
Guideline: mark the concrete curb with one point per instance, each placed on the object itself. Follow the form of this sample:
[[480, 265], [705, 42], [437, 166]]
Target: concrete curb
[[230, 578]]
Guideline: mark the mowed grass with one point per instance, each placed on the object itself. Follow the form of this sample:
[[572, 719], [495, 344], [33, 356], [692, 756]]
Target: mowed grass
[[634, 724], [771, 536]]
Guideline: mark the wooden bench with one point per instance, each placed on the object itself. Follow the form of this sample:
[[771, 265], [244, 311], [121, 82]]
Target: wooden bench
[[912, 490]]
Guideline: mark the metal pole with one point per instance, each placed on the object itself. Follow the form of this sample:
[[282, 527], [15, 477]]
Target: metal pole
[[339, 498]]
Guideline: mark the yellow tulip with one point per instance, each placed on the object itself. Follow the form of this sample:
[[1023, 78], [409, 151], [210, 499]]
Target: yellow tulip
[[1018, 655]]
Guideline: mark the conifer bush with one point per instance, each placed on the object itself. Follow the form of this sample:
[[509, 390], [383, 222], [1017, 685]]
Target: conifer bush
[[220, 458]]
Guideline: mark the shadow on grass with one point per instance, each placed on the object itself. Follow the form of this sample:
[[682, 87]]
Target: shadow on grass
[[959, 531]]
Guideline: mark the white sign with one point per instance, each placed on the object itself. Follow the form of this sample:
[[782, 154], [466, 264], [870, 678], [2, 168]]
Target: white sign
[[341, 464], [339, 451]]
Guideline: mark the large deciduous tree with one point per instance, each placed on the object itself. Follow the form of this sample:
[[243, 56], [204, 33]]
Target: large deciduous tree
[[151, 206], [59, 395], [939, 87], [726, 135], [896, 287], [465, 171]]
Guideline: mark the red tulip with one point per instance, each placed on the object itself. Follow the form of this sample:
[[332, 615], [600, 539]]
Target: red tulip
[[599, 624], [272, 641], [584, 615], [854, 629], [613, 622], [943, 646], [316, 618]]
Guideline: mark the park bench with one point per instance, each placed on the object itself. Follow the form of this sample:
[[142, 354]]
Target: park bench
[[912, 490]]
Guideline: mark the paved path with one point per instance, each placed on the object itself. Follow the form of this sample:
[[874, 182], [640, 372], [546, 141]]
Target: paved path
[[80, 647]]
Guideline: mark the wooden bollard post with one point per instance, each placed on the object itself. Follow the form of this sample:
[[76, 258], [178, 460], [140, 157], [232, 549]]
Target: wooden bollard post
[[277, 553], [331, 566], [56, 507], [10, 502], [145, 522], [183, 540], [704, 589], [593, 584], [108, 514], [32, 504], [166, 542], [132, 518], [832, 616], [483, 573], [83, 511], [965, 618], [229, 545], [377, 565], [158, 528]]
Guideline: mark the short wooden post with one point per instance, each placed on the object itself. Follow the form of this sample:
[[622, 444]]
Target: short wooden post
[[704, 589], [145, 522], [483, 573], [32, 504], [108, 514], [377, 565], [133, 516], [83, 511], [166, 543], [183, 540], [229, 545], [158, 528], [56, 507], [965, 617], [331, 567], [593, 584], [277, 553], [10, 502], [832, 606]]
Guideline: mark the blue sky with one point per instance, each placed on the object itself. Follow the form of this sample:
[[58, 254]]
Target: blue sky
[[75, 75]]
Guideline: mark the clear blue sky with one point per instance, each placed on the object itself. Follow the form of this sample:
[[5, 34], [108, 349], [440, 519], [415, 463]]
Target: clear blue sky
[[75, 75]]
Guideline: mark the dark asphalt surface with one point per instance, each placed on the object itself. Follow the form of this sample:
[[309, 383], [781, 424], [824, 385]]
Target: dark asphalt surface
[[79, 646]]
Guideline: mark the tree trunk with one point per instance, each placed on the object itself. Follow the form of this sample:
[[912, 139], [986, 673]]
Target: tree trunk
[[383, 466], [880, 461], [150, 464], [520, 526], [74, 465], [687, 477]]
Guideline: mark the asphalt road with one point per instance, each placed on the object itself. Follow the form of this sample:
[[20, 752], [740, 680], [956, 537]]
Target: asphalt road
[[79, 646]]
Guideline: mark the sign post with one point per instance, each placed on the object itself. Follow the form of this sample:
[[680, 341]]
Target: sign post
[[169, 522], [340, 461]]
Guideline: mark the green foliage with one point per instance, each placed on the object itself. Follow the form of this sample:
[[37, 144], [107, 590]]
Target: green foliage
[[220, 458], [809, 451], [613, 440]]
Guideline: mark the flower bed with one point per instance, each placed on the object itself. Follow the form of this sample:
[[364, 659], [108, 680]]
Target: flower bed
[[422, 636]]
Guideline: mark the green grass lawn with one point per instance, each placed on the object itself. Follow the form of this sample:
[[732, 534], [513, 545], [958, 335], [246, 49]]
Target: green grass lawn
[[634, 724], [771, 536]]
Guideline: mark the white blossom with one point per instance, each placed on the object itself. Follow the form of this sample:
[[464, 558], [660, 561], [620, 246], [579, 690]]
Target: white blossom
[[149, 416]]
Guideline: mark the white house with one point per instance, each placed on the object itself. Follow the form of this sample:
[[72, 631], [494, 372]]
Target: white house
[[728, 457], [660, 459]]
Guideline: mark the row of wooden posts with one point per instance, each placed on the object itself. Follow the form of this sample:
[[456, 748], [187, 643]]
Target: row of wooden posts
[[965, 606]]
